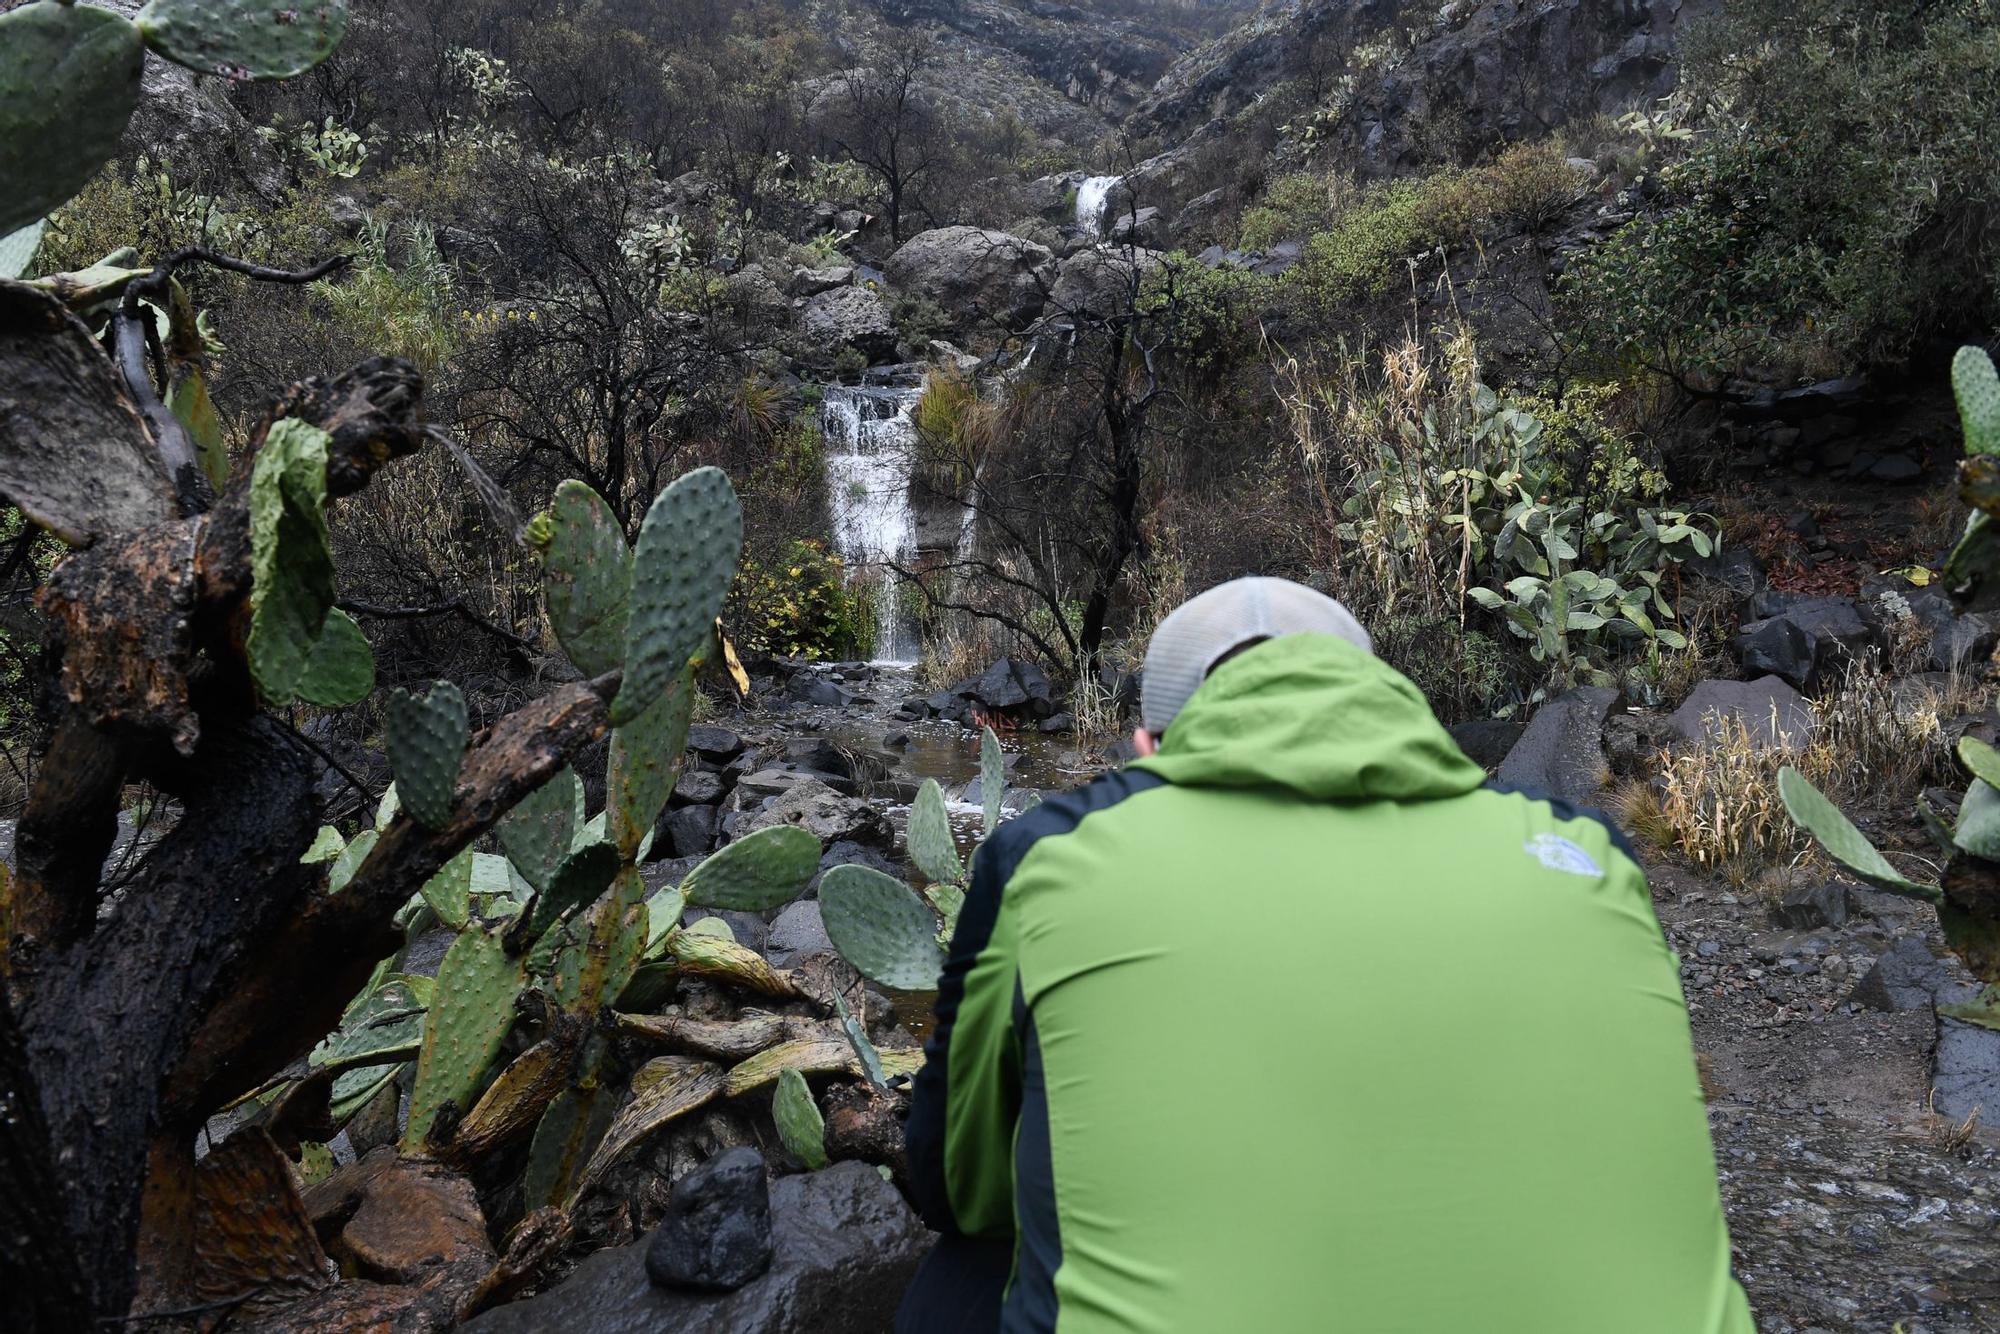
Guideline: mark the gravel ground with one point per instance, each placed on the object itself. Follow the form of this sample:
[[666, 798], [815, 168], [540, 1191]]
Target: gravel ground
[[1852, 1205]]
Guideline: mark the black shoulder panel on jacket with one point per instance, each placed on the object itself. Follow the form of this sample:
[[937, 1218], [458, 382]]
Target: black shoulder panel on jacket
[[1569, 810]]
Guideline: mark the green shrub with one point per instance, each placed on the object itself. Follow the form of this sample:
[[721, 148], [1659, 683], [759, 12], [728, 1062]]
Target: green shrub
[[799, 604]]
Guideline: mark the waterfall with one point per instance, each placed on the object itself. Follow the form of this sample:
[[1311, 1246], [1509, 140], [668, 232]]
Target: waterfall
[[1090, 201], [870, 451]]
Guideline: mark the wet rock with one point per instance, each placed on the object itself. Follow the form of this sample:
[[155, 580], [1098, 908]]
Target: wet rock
[[1965, 1073], [1486, 741], [1561, 751], [976, 275], [698, 787], [1009, 686], [1057, 723], [1907, 976], [717, 1233], [686, 831], [798, 931], [401, 1220], [812, 688], [853, 317], [1811, 906], [824, 813], [846, 852], [1771, 712], [1139, 227], [844, 1245], [717, 744]]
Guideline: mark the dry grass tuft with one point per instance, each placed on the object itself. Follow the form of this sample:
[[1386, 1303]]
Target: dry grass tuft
[[1718, 805]]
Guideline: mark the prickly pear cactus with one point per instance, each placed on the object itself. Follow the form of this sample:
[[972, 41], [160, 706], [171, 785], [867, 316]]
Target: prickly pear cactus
[[245, 39], [759, 871], [449, 892], [800, 1125], [426, 741], [881, 927], [291, 561], [590, 974], [645, 762], [932, 847], [857, 1037], [537, 833], [1811, 811], [681, 572], [992, 780], [341, 668], [582, 877], [586, 577], [471, 1011], [1976, 386], [69, 79], [721, 959]]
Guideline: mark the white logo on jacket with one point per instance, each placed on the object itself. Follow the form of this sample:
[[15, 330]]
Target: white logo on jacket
[[1559, 854]]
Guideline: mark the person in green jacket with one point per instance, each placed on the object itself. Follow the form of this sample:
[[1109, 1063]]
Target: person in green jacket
[[1298, 1024]]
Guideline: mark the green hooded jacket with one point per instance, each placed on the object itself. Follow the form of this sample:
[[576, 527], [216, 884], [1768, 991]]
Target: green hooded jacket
[[1301, 1026]]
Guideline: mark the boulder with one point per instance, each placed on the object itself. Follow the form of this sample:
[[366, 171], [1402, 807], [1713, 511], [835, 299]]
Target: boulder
[[1202, 216], [843, 1248], [718, 744], [1771, 712], [797, 932], [824, 813], [847, 317], [1906, 976], [812, 688], [1009, 686], [1965, 1071], [685, 831], [1561, 751], [1733, 567], [1486, 741], [698, 787], [811, 282], [1100, 280], [1810, 907], [1139, 227], [849, 853], [1803, 637], [979, 277], [1956, 642], [717, 1233]]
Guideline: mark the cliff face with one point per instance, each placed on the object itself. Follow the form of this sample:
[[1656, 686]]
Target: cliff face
[[1491, 71]]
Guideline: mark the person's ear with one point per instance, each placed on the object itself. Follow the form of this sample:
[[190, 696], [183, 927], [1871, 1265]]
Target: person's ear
[[1144, 743]]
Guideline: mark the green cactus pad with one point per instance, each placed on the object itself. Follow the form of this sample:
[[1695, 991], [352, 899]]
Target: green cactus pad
[[1983, 1010], [586, 578], [758, 871], [537, 833], [992, 779], [1980, 760], [341, 667], [1978, 830], [18, 247], [857, 1037], [584, 875], [590, 974], [471, 1012], [712, 926], [291, 561], [800, 1125], [244, 39], [1972, 571], [69, 79], [1976, 386], [646, 756], [681, 572], [881, 927], [349, 861], [663, 913], [932, 847], [1847, 845], [449, 892], [574, 1123], [426, 742], [327, 845]]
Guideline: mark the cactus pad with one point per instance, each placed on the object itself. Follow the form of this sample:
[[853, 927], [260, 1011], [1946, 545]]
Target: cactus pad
[[932, 847], [646, 756], [865, 1054], [426, 742], [449, 892], [800, 1125], [18, 247], [1976, 386], [720, 960], [244, 39], [1847, 845], [1980, 759], [291, 561], [681, 572], [471, 1011], [69, 79], [327, 845], [584, 875], [881, 927], [1978, 830], [586, 578], [664, 1088], [992, 779], [758, 871], [350, 859], [341, 668]]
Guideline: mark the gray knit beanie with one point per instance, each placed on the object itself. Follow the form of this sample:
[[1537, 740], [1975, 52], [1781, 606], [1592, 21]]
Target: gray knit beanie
[[1202, 631]]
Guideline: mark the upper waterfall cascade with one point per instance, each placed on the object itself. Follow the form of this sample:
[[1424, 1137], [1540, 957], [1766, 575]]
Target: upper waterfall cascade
[[871, 449]]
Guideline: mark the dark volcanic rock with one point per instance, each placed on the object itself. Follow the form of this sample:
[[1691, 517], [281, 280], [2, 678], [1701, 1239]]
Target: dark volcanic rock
[[1812, 906], [1771, 712], [1561, 753], [1486, 741], [717, 1233], [844, 1245], [797, 932], [1907, 976]]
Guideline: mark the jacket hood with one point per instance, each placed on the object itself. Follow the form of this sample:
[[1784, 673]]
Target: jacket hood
[[1318, 716]]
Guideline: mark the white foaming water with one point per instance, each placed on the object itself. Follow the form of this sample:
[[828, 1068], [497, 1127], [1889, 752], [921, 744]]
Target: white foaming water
[[870, 450], [1090, 200]]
